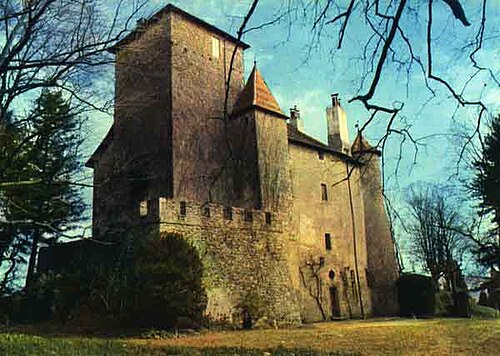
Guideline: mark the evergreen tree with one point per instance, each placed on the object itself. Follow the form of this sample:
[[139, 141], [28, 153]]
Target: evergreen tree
[[486, 187], [47, 208]]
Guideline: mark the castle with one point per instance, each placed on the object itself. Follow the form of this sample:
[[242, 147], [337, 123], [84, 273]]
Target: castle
[[271, 210]]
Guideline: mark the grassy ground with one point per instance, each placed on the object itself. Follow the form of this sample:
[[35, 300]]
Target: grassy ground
[[374, 337]]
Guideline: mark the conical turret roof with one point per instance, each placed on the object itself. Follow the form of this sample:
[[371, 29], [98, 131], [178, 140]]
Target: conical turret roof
[[361, 145], [257, 94]]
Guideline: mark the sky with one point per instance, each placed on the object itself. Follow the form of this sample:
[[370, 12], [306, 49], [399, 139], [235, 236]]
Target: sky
[[304, 70]]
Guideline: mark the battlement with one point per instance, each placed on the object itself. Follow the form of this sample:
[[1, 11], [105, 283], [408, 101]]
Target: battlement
[[175, 211]]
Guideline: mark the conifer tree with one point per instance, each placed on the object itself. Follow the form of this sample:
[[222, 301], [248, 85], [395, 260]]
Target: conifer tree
[[44, 211], [486, 187]]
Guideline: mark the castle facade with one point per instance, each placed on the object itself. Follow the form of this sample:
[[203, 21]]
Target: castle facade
[[197, 151]]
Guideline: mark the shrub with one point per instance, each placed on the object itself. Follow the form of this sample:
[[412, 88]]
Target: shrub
[[444, 303], [165, 287], [252, 308], [480, 311], [416, 295]]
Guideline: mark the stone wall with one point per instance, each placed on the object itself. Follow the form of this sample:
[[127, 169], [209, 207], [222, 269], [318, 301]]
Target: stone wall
[[136, 164], [273, 161], [382, 265], [313, 218], [240, 258], [200, 138]]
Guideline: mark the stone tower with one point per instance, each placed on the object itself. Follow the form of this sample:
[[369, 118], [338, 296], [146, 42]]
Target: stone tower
[[382, 271], [168, 137], [257, 106]]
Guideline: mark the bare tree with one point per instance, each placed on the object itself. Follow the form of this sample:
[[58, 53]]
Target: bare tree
[[311, 281], [436, 232]]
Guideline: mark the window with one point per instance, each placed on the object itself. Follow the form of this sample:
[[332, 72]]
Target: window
[[143, 208], [268, 218], [248, 216], [369, 278], [206, 211], [321, 155], [215, 47], [228, 213], [324, 192], [328, 241], [353, 285], [182, 210]]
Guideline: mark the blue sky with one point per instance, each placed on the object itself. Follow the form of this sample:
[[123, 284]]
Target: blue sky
[[299, 75]]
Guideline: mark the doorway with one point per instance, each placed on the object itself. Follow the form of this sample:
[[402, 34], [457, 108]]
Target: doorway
[[334, 302]]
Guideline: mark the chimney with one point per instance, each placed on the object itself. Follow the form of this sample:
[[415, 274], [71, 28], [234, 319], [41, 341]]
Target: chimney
[[295, 120], [336, 119]]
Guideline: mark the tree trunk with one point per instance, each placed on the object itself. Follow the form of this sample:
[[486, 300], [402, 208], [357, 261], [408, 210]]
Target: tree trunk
[[33, 257]]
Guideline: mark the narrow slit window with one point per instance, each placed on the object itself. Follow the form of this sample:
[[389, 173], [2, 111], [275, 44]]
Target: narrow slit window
[[324, 192], [321, 155], [143, 208], [206, 211], [328, 241], [268, 218], [248, 216], [182, 208], [228, 213]]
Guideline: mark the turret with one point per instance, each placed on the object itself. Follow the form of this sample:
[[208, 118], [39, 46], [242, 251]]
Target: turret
[[261, 118]]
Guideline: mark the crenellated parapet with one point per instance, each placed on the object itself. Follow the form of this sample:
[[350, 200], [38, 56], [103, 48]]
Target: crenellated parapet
[[209, 215]]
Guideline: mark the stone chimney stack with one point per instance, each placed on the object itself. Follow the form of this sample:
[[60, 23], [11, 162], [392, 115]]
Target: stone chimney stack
[[338, 136], [295, 120]]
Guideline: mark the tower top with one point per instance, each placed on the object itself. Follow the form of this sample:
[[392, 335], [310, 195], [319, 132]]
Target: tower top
[[361, 146], [257, 94], [142, 24]]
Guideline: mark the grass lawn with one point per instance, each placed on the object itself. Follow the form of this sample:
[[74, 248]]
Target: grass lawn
[[372, 337]]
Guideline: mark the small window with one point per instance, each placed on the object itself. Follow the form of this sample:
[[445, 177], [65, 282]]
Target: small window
[[143, 208], [215, 47], [353, 285], [182, 210], [268, 218], [328, 242], [248, 216], [369, 278], [206, 211], [324, 192], [228, 213], [321, 155]]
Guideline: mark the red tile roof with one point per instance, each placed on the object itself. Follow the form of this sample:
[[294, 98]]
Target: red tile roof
[[257, 94]]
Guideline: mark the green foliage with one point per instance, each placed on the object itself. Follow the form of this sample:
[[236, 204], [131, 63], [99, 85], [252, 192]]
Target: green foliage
[[444, 303], [416, 295], [165, 288], [38, 198], [252, 308], [484, 186], [151, 283], [481, 311]]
